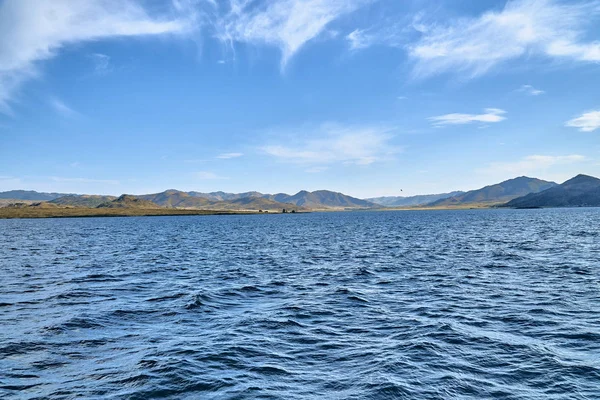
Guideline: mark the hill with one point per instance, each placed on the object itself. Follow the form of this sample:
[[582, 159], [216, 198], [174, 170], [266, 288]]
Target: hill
[[496, 194], [82, 200], [129, 201], [176, 199], [223, 196], [401, 201], [30, 195], [580, 191], [322, 199]]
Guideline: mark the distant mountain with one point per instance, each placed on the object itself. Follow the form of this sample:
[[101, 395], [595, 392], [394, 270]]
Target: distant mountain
[[322, 199], [30, 195], [498, 193], [176, 199], [401, 201], [82, 200], [128, 201], [231, 201], [221, 196], [580, 191]]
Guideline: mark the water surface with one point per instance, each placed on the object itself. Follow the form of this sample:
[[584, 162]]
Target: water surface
[[439, 305]]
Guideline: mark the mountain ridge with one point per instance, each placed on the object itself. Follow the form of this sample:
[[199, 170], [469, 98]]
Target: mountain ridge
[[579, 191], [497, 193]]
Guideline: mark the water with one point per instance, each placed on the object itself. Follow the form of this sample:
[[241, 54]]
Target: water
[[438, 305]]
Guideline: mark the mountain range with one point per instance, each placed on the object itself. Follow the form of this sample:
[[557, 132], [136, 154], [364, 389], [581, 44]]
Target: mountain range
[[518, 192], [496, 194], [401, 201], [580, 191]]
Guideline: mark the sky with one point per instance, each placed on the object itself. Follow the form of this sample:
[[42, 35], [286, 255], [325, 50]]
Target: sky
[[364, 97]]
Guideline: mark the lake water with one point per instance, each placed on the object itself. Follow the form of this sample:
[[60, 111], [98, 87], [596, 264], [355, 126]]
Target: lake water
[[376, 305]]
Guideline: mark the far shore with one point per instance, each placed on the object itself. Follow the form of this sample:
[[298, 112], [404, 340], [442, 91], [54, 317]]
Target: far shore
[[81, 212]]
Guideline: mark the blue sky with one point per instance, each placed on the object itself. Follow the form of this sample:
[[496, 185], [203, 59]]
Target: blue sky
[[365, 97]]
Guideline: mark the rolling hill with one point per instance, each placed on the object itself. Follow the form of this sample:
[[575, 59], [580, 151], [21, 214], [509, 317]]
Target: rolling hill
[[176, 199], [30, 195], [82, 200], [323, 199], [580, 191], [129, 201], [401, 201], [496, 194]]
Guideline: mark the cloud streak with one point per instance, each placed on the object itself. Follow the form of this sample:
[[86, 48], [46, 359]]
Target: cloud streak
[[532, 164], [336, 144], [227, 156], [32, 31], [530, 90], [208, 175], [285, 24], [490, 115], [586, 122], [522, 28], [61, 108]]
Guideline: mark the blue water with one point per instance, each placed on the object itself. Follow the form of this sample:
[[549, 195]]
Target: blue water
[[376, 305]]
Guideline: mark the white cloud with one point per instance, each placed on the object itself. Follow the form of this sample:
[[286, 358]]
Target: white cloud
[[586, 122], [531, 165], [207, 175], [316, 170], [522, 28], [32, 31], [490, 115], [358, 40], [530, 90], [286, 24], [84, 180], [61, 108], [102, 65], [226, 156], [337, 144]]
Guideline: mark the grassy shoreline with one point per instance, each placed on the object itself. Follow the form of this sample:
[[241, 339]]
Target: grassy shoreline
[[80, 212]]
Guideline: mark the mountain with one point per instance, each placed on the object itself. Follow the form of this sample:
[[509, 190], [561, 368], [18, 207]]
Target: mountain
[[498, 193], [401, 201], [176, 199], [582, 190], [322, 199], [222, 196], [232, 201], [30, 195], [128, 201], [82, 200]]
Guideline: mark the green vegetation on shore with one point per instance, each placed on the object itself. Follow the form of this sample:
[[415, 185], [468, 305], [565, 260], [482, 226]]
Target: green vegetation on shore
[[65, 212]]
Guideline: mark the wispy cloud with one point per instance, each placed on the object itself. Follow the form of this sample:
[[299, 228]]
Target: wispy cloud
[[226, 156], [530, 90], [337, 144], [61, 108], [490, 115], [316, 170], [531, 165], [473, 46], [85, 180], [586, 122], [286, 24], [102, 64], [358, 39], [32, 31], [207, 175]]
